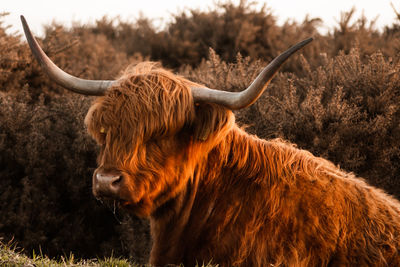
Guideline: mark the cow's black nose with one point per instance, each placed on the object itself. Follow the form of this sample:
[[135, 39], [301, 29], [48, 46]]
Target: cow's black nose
[[106, 184]]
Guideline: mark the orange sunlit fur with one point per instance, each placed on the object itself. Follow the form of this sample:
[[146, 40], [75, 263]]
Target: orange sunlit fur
[[215, 193]]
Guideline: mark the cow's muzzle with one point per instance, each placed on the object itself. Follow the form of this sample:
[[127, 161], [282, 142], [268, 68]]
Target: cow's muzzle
[[106, 184]]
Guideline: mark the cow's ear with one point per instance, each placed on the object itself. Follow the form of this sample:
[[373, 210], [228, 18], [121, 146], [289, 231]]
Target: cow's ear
[[209, 119]]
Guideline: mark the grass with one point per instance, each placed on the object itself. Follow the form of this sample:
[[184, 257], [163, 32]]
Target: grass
[[10, 257]]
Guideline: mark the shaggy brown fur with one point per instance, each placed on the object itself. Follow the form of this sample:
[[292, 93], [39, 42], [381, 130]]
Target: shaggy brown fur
[[215, 193]]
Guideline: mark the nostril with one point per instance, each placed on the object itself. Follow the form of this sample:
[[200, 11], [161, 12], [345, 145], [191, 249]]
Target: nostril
[[116, 180]]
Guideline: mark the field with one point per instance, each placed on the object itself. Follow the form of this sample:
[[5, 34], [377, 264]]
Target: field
[[339, 99]]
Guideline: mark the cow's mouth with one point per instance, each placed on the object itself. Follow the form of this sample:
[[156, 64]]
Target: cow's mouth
[[121, 198], [139, 206], [121, 202], [111, 199]]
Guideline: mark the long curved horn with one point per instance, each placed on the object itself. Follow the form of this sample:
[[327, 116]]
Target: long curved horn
[[81, 86], [238, 100]]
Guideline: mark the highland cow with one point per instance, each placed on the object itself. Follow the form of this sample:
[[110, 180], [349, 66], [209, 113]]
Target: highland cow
[[171, 151]]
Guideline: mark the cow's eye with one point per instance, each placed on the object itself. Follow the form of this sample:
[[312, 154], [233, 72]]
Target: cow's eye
[[102, 136]]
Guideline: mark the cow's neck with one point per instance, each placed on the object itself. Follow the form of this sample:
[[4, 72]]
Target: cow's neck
[[168, 224], [236, 157]]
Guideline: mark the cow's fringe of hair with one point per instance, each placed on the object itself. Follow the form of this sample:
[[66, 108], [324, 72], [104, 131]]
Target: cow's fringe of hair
[[142, 88]]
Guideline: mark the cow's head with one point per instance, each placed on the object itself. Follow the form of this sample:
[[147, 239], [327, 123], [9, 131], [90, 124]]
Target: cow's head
[[151, 136], [154, 127]]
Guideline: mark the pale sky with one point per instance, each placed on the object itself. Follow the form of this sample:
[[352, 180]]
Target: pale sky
[[43, 12]]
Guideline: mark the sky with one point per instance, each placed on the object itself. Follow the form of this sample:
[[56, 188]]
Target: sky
[[44, 12]]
